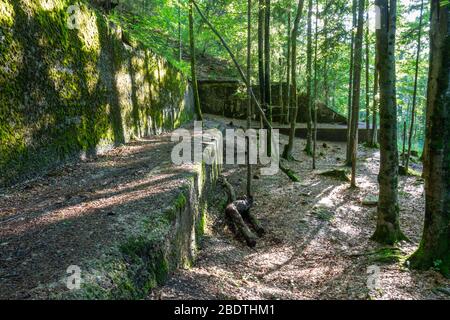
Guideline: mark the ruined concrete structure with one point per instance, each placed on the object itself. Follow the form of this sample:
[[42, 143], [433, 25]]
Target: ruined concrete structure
[[228, 98]]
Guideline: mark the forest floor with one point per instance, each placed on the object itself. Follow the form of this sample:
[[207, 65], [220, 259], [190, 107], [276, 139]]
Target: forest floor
[[76, 213], [317, 244]]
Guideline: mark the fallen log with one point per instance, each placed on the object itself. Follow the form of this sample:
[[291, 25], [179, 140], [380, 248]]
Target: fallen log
[[234, 216], [238, 213], [244, 206]]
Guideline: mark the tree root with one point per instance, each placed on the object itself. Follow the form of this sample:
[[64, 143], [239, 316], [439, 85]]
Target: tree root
[[239, 216], [290, 173]]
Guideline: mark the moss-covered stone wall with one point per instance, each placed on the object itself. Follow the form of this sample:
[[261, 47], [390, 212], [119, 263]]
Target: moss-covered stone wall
[[229, 99], [69, 92]]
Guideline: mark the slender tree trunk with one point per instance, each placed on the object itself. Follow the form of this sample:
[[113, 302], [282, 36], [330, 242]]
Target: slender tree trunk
[[198, 110], [325, 53], [434, 249], [288, 71], [316, 36], [287, 154], [348, 159], [388, 225], [249, 98], [180, 40], [267, 73], [280, 88], [404, 143], [357, 88], [367, 74], [309, 53], [261, 67], [374, 132], [237, 65], [416, 76]]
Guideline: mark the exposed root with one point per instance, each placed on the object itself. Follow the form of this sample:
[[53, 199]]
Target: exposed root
[[238, 213]]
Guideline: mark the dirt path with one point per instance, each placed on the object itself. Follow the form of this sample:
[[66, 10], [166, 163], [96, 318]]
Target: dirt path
[[316, 244], [74, 214]]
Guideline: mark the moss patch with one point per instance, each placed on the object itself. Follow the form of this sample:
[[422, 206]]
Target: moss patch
[[71, 92], [387, 255], [337, 174]]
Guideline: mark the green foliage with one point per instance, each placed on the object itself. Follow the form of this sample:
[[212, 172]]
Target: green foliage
[[58, 100]]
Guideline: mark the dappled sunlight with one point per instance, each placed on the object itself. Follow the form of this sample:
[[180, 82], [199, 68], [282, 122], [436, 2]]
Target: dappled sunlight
[[98, 206], [92, 95]]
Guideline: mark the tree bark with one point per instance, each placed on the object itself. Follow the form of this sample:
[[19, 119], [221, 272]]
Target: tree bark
[[287, 154], [388, 225], [267, 75], [374, 131], [198, 110], [325, 53], [367, 74], [308, 148], [288, 71], [416, 76], [261, 67], [357, 88], [434, 249], [280, 88], [249, 97], [348, 159], [316, 38], [180, 40], [238, 212]]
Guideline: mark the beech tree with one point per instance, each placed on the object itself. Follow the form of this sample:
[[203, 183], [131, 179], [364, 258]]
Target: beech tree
[[434, 249], [416, 76], [309, 84], [348, 159], [287, 154], [388, 225], [261, 67], [356, 89], [267, 71], [249, 94]]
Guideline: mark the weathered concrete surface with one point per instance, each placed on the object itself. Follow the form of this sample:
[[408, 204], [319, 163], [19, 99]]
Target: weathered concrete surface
[[228, 98], [325, 131]]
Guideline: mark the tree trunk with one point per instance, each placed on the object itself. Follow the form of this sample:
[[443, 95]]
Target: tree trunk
[[367, 74], [404, 145], [198, 110], [280, 88], [308, 148], [325, 54], [388, 226], [261, 67], [287, 154], [249, 98], [288, 71], [434, 249], [348, 159], [316, 36], [413, 110], [374, 132], [180, 40], [267, 75], [357, 88]]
